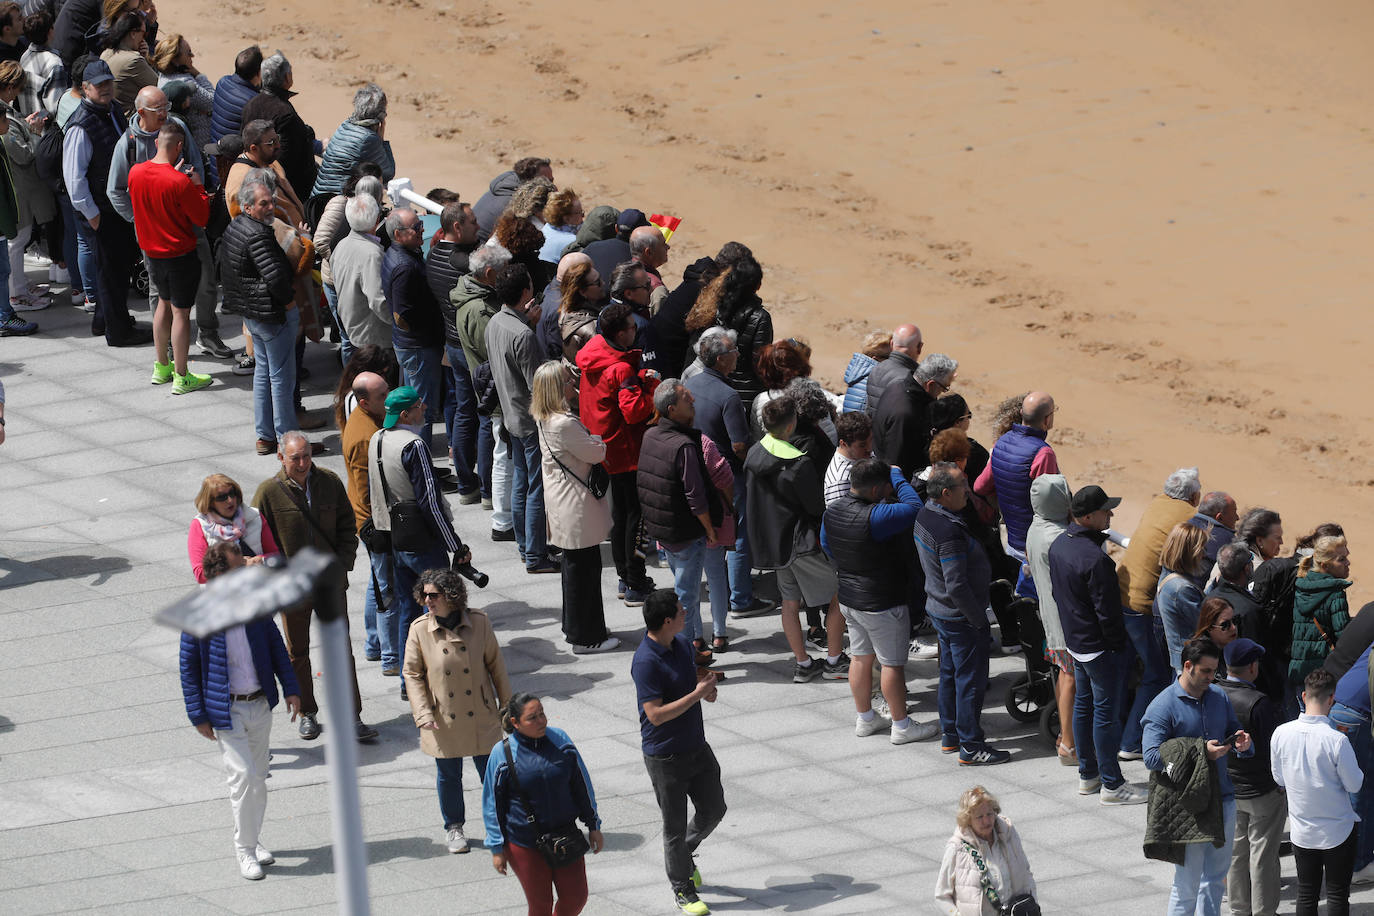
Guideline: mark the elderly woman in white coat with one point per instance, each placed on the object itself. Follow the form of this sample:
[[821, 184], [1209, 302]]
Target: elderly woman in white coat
[[578, 520], [984, 867]]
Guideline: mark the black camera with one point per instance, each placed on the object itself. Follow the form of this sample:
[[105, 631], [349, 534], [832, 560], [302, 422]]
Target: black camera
[[475, 576]]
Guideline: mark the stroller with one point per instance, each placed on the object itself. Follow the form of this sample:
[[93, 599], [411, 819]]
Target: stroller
[[1031, 696]]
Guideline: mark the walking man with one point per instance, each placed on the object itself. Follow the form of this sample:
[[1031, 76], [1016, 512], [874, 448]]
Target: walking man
[[669, 690]]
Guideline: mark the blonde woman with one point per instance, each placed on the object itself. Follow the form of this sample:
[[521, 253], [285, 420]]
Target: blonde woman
[[1178, 599], [222, 516], [1321, 610], [578, 520], [984, 868]]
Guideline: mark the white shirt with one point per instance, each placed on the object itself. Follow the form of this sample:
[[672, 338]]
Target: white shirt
[[1317, 766], [243, 677], [837, 477]]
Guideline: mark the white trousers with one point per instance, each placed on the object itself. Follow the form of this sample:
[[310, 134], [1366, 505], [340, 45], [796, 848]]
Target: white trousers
[[245, 749], [501, 470]]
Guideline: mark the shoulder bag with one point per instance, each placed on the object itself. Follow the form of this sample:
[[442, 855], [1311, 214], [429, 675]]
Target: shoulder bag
[[1020, 905], [409, 529], [598, 481], [559, 847]]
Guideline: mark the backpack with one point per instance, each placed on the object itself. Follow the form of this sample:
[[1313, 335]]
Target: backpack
[[47, 157]]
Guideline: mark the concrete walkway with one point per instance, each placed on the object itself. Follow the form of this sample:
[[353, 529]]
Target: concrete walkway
[[110, 801]]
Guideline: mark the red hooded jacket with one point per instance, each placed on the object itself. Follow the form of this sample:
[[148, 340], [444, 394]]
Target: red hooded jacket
[[616, 401]]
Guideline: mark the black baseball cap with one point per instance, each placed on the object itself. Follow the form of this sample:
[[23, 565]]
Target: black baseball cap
[[1091, 498]]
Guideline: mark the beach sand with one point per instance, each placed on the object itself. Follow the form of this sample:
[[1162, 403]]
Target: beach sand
[[1157, 212]]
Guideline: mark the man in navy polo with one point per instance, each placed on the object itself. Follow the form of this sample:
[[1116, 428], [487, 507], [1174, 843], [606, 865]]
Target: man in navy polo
[[681, 765]]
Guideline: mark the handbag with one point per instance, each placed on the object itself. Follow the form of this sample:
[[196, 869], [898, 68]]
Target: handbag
[[598, 481], [409, 528], [559, 847], [1020, 905]]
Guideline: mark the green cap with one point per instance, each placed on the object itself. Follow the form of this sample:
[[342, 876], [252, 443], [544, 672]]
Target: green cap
[[397, 403]]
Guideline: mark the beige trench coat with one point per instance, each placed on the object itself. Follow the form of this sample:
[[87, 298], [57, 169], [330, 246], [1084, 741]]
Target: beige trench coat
[[457, 680], [574, 517]]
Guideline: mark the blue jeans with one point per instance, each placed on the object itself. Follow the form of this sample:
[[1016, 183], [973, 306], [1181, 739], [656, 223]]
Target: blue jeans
[[450, 785], [274, 375], [331, 297], [1355, 726], [79, 250], [1201, 879], [1141, 629], [741, 588], [963, 679], [486, 453], [460, 419], [687, 565], [527, 499], [396, 620], [379, 640], [1097, 718], [422, 369]]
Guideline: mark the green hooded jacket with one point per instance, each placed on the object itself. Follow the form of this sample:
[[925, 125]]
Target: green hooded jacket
[[1319, 606]]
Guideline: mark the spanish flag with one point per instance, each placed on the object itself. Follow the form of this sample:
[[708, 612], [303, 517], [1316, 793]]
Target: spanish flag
[[666, 224]]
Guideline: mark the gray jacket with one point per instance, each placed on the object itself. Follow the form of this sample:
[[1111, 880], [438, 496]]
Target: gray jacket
[[513, 353], [145, 148], [357, 267], [1049, 496]]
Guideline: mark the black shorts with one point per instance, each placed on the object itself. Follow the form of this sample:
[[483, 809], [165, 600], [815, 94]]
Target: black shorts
[[176, 279]]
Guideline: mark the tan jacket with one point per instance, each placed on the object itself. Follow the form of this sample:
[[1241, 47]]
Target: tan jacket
[[575, 518], [457, 680], [1139, 569]]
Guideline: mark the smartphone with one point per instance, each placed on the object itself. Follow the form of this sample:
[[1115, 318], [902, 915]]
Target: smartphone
[[1231, 738]]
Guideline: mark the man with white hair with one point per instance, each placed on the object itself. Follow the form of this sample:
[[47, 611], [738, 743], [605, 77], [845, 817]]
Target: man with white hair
[[898, 367], [475, 301], [650, 249], [298, 146], [356, 264], [901, 424]]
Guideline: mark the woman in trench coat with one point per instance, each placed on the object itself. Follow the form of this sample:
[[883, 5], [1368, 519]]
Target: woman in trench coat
[[457, 684]]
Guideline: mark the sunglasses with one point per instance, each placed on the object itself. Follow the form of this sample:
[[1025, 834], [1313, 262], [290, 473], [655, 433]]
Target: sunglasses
[[221, 497], [1224, 625], [426, 596]]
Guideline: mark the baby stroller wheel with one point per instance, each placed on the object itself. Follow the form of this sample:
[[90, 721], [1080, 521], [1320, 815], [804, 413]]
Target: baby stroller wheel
[[1026, 696], [1049, 725]]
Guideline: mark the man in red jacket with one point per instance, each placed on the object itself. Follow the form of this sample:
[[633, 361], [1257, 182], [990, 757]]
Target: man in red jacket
[[169, 204], [616, 400]]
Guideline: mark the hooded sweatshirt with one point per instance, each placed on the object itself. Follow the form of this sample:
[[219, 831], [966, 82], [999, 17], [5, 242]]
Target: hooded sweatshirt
[[1049, 496], [616, 401], [144, 148], [492, 204], [1319, 606], [598, 225]]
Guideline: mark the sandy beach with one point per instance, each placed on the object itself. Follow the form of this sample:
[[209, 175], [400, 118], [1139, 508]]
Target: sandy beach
[[1154, 211]]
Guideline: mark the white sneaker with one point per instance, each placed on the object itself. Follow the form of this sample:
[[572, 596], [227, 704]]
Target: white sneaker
[[923, 650], [249, 867], [457, 843], [916, 731], [878, 723], [1129, 755], [1364, 875], [29, 303], [606, 645], [264, 855], [1124, 794], [1089, 786]]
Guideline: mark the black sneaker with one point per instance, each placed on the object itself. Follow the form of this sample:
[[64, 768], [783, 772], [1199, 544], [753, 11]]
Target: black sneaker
[[838, 671], [949, 744], [310, 729], [808, 672], [498, 535], [985, 756], [756, 608], [211, 345], [365, 732], [816, 636]]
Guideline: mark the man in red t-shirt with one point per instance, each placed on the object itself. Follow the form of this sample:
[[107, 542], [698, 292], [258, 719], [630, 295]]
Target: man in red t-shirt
[[170, 203]]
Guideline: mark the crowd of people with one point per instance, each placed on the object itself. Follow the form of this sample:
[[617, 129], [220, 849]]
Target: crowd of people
[[583, 399]]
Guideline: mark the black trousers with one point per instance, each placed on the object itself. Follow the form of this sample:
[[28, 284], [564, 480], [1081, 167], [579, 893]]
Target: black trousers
[[116, 250], [584, 617], [1338, 864], [677, 778], [626, 520]]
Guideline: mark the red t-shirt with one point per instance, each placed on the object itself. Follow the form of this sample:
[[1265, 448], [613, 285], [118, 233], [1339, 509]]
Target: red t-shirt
[[168, 208]]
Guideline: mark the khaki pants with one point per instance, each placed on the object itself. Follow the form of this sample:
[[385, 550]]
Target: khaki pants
[[295, 628], [244, 749], [1252, 884]]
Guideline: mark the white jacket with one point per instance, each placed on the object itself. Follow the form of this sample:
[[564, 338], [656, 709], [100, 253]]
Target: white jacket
[[959, 886]]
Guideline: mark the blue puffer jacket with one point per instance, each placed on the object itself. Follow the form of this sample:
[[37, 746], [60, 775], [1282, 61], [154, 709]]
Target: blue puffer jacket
[[856, 377], [205, 672], [553, 777], [351, 143], [232, 92], [1011, 460]]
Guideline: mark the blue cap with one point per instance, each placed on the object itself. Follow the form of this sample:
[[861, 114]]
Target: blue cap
[[1241, 652], [96, 72]]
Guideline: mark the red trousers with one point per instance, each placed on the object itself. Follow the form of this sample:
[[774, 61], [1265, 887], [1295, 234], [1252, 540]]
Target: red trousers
[[540, 881]]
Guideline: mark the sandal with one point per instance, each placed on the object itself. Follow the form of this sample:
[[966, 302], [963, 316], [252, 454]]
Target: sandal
[[1067, 757], [720, 644]]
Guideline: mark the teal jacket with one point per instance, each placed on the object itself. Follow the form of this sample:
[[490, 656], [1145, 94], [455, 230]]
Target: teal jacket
[[1319, 607]]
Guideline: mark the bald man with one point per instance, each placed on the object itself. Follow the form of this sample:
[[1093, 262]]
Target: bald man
[[650, 249], [1018, 457], [906, 354], [370, 391]]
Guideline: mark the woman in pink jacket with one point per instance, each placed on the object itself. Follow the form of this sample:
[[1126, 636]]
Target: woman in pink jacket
[[222, 516]]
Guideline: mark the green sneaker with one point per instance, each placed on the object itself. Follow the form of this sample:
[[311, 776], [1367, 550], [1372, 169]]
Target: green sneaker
[[696, 877], [162, 373], [689, 903], [191, 382]]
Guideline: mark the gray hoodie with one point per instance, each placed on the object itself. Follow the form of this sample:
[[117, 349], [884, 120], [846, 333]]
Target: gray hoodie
[[1049, 497], [145, 148]]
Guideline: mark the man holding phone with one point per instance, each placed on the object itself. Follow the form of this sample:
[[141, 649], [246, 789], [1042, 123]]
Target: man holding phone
[[1193, 707]]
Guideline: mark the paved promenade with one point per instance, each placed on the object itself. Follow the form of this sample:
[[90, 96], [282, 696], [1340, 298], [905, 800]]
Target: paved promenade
[[110, 801]]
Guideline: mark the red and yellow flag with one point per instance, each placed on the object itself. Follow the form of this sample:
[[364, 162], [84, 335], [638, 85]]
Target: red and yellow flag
[[666, 224]]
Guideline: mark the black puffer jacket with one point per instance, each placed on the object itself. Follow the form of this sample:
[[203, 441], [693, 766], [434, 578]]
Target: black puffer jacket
[[254, 272], [754, 326], [671, 340]]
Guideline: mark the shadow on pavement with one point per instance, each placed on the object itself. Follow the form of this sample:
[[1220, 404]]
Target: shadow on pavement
[[75, 566], [791, 895]]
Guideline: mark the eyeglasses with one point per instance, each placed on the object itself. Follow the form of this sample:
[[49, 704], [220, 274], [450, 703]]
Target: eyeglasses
[[943, 387], [428, 596], [1224, 624], [221, 497], [640, 286], [266, 143]]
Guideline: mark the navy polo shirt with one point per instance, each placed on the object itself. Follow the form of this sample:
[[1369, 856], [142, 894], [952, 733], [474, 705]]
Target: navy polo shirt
[[667, 673]]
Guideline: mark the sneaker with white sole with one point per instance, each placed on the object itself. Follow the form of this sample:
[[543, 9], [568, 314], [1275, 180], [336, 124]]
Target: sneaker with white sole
[[1124, 794], [17, 327], [879, 723], [264, 855], [1129, 755], [921, 649], [916, 731], [29, 303], [608, 644], [803, 673], [457, 843], [249, 867], [1364, 875], [245, 365], [984, 756], [1089, 786]]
